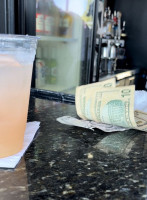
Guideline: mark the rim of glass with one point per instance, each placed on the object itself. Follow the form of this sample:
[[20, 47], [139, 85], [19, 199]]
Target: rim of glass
[[14, 37]]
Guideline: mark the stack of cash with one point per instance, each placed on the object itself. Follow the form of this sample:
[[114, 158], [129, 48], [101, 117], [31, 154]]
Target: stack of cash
[[105, 103]]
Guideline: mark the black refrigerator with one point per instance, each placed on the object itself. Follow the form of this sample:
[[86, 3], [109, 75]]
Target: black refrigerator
[[66, 30]]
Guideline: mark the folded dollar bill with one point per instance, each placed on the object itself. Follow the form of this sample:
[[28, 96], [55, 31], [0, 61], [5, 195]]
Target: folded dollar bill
[[105, 103]]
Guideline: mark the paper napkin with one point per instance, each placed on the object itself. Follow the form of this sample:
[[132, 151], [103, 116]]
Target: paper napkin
[[12, 161], [140, 100]]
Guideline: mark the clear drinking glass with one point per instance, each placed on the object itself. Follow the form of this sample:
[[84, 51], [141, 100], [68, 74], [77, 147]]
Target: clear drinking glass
[[17, 53]]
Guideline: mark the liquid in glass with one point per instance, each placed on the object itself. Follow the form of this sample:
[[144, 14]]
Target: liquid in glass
[[16, 62]]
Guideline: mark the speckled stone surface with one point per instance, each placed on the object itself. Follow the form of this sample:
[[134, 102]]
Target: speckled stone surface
[[66, 162]]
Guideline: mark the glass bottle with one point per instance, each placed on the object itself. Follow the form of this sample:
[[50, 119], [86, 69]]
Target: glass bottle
[[53, 67], [123, 32], [65, 24], [39, 17], [40, 69], [48, 18]]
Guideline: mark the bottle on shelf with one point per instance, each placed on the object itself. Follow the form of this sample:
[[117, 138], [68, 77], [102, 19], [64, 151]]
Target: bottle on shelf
[[40, 69], [115, 17], [115, 24], [108, 24], [105, 17], [50, 65], [119, 14], [53, 67], [123, 32], [46, 54], [48, 18], [109, 29], [65, 24], [104, 24], [39, 17], [109, 14]]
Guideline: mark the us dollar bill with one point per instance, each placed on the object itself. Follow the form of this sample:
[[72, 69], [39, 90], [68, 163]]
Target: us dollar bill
[[111, 106], [81, 95], [141, 120], [105, 103]]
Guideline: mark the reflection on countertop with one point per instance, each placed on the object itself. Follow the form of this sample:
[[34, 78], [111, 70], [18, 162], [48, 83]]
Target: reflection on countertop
[[66, 162], [14, 183]]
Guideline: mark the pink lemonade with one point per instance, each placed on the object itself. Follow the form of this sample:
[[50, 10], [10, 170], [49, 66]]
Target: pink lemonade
[[17, 53], [14, 101]]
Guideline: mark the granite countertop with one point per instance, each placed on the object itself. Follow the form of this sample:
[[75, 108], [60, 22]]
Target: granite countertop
[[66, 162]]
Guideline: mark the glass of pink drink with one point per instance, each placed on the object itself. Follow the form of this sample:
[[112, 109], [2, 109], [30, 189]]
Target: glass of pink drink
[[17, 54]]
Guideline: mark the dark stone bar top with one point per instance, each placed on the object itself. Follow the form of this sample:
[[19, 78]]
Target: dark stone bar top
[[66, 162]]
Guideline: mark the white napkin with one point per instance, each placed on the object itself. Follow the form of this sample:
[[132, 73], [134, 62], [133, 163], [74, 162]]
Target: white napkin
[[12, 161], [140, 100]]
